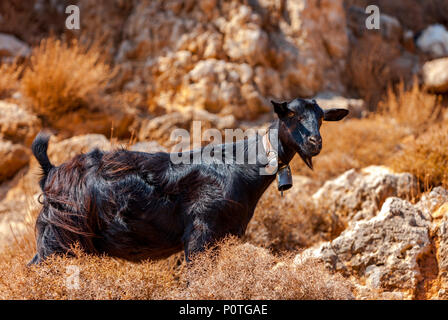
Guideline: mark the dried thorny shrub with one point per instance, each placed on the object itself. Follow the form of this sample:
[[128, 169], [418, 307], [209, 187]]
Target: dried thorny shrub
[[230, 271], [64, 77], [243, 271], [426, 157], [9, 78], [414, 108], [212, 275], [291, 222], [99, 278]]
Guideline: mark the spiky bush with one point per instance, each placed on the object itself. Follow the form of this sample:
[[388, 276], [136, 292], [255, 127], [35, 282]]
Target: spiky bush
[[426, 157], [64, 77]]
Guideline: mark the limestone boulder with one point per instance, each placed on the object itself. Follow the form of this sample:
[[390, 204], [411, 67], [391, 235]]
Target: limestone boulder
[[231, 57], [12, 158], [150, 147], [385, 250], [61, 151], [161, 128], [359, 194], [18, 124], [435, 75]]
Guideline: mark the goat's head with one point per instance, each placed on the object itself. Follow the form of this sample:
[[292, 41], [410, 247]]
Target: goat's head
[[300, 121]]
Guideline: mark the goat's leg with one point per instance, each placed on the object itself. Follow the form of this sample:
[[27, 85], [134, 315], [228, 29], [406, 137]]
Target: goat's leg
[[197, 238], [207, 227], [35, 260]]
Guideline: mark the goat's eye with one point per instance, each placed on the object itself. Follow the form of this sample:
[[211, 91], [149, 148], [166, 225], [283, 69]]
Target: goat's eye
[[291, 114]]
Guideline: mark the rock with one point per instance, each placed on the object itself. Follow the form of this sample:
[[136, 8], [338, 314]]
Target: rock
[[12, 47], [26, 185], [442, 234], [150, 146], [434, 41], [160, 128], [435, 75], [430, 202], [12, 158], [233, 57], [64, 150], [301, 186], [219, 87], [327, 100], [359, 194], [385, 250], [12, 225], [18, 124]]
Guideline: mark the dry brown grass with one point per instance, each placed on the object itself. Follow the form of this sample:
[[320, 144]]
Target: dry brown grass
[[9, 78], [414, 108], [232, 270], [290, 223], [426, 157], [243, 271], [64, 77]]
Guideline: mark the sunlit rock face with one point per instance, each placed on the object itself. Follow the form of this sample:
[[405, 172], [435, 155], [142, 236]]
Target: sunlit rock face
[[229, 57]]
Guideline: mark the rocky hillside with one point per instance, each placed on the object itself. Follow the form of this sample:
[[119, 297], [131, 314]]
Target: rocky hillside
[[371, 220]]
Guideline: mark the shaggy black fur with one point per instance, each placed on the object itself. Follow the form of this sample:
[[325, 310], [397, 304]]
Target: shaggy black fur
[[136, 205]]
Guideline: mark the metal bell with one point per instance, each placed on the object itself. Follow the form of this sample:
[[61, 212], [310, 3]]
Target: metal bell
[[284, 178]]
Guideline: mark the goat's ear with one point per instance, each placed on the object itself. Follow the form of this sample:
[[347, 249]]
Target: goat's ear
[[280, 108], [335, 114]]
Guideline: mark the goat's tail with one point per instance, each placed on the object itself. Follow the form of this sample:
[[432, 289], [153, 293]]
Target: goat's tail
[[39, 148]]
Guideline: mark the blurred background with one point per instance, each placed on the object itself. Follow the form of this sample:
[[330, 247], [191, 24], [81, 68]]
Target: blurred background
[[136, 70]]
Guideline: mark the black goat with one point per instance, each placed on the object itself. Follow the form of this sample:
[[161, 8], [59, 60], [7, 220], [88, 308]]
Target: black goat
[[136, 205]]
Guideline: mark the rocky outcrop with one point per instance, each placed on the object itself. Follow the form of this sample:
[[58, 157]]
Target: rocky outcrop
[[435, 75], [150, 146], [231, 57], [11, 47], [442, 234], [160, 128], [356, 107], [383, 251], [12, 158], [436, 202], [61, 151], [400, 253], [359, 194], [17, 124]]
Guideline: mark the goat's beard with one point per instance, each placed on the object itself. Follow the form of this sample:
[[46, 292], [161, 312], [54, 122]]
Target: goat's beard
[[307, 156], [307, 159]]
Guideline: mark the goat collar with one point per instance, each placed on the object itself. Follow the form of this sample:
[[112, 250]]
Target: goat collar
[[274, 162]]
